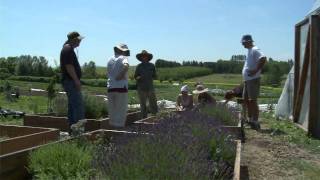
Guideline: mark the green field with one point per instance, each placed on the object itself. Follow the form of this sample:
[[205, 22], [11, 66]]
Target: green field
[[233, 79]]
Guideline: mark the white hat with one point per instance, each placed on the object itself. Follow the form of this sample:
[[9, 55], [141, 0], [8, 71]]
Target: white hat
[[122, 47], [184, 88], [200, 89]]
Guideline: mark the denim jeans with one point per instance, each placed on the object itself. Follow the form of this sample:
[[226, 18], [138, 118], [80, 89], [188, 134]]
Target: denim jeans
[[75, 102]]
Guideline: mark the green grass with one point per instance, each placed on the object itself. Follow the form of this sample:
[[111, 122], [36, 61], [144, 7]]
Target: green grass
[[233, 79], [11, 121], [291, 133], [28, 104]]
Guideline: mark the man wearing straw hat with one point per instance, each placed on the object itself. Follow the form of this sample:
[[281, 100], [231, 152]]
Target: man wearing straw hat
[[145, 74], [71, 74], [117, 70], [251, 74]]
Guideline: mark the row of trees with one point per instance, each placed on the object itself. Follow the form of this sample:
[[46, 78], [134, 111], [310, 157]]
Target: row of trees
[[27, 65]]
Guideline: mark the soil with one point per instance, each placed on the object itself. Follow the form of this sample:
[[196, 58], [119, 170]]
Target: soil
[[265, 157]]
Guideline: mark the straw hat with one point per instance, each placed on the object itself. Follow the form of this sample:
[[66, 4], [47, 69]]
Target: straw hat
[[200, 89]]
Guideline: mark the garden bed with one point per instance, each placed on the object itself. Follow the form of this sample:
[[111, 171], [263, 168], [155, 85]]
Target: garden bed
[[18, 139], [61, 123], [159, 136]]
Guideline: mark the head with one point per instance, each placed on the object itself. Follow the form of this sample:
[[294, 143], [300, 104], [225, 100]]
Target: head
[[74, 39], [121, 49], [184, 90], [229, 95], [200, 89], [247, 41], [144, 56]]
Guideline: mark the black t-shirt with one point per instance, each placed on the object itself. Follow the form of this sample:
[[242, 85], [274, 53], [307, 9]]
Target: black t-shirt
[[68, 56]]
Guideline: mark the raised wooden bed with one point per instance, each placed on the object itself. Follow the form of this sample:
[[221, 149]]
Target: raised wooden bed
[[19, 139], [61, 123], [93, 124]]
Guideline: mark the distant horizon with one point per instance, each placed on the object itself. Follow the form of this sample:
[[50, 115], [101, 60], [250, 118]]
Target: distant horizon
[[175, 30]]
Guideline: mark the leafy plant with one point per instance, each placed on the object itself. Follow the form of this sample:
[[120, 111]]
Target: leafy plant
[[62, 161]]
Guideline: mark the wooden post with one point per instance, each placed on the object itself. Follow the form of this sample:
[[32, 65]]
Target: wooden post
[[296, 66], [302, 80], [314, 121]]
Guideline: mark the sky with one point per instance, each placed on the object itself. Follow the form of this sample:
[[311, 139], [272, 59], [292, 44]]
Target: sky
[[177, 30]]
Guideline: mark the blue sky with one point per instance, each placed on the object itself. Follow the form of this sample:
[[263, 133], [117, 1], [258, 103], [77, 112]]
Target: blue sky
[[178, 30]]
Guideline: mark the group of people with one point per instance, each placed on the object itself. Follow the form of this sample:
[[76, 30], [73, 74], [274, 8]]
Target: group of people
[[185, 100], [145, 73]]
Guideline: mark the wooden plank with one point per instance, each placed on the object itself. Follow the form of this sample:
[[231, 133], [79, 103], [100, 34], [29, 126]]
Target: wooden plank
[[314, 120], [296, 64], [237, 162], [27, 141], [60, 123], [302, 80]]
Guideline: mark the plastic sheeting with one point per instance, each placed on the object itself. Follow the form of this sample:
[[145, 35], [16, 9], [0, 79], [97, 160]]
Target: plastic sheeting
[[285, 102]]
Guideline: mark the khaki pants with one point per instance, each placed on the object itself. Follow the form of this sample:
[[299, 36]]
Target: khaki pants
[[251, 89], [117, 108], [143, 96]]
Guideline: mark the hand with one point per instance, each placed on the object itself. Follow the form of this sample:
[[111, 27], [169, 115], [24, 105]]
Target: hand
[[77, 84], [252, 72], [138, 77]]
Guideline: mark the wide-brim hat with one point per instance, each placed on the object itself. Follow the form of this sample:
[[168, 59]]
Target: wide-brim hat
[[122, 47], [144, 53], [74, 35], [200, 89]]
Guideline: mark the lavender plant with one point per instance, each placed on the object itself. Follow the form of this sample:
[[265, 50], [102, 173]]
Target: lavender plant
[[182, 146]]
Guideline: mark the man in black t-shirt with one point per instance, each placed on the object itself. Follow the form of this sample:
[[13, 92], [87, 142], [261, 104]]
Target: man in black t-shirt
[[71, 74]]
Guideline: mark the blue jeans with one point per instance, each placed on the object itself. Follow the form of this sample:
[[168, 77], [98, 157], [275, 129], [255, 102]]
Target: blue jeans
[[75, 102]]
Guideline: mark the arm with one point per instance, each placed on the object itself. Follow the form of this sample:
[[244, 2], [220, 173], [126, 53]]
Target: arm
[[123, 72], [137, 73], [261, 63], [73, 75]]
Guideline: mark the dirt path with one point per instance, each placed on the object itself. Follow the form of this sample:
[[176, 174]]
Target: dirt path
[[267, 157]]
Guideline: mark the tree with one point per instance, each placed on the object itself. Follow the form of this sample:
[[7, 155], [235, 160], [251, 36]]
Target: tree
[[89, 70]]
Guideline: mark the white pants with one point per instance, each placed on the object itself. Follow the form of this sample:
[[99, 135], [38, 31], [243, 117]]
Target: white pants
[[117, 108]]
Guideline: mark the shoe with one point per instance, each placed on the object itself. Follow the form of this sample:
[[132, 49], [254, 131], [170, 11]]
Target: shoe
[[255, 126]]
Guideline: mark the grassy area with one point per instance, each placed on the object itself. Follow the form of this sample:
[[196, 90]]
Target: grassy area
[[28, 104], [11, 121], [291, 133], [232, 79]]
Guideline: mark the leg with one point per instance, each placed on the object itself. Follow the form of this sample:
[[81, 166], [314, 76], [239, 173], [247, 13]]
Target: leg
[[143, 101], [246, 102], [75, 104], [253, 93], [153, 102], [111, 107]]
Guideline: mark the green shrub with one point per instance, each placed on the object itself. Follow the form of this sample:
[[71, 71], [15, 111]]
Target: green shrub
[[61, 161], [94, 107], [60, 105]]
